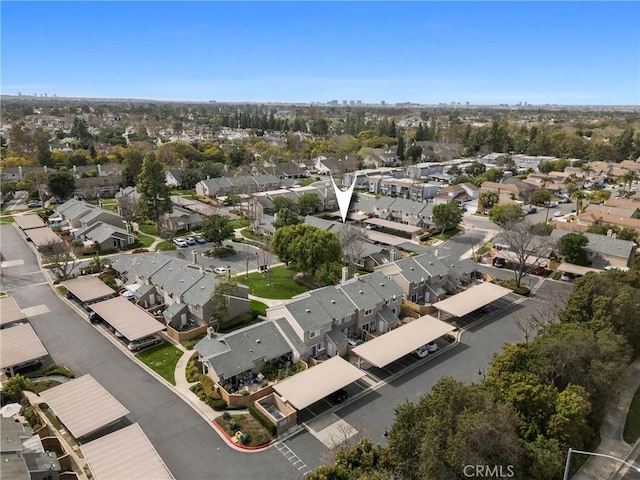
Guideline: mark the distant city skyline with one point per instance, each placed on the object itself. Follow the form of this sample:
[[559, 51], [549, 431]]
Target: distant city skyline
[[483, 53]]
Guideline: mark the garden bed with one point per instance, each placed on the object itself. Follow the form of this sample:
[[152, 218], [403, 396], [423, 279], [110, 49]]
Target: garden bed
[[253, 433]]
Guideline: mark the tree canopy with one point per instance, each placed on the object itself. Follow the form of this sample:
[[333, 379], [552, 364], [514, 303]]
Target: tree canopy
[[572, 247], [61, 184], [307, 247], [446, 216], [154, 193], [216, 229], [505, 213]]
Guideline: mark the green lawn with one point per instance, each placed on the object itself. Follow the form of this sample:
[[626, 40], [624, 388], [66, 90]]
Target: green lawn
[[162, 359], [166, 245], [239, 223], [447, 234], [258, 307], [632, 425], [145, 240], [282, 283], [148, 229], [6, 219]]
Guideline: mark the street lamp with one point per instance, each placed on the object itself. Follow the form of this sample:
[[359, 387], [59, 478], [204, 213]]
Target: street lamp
[[566, 467]]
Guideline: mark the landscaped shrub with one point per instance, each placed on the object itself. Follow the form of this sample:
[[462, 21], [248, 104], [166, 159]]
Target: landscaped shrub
[[245, 439], [206, 392], [59, 370], [235, 426], [226, 416], [110, 281], [263, 419], [521, 290]]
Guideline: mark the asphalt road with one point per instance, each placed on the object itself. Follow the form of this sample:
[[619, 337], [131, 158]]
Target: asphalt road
[[186, 442]]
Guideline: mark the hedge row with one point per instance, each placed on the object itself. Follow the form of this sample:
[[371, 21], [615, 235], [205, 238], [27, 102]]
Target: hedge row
[[262, 418]]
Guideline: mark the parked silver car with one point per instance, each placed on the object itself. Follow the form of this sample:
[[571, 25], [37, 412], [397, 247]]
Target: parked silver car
[[144, 342]]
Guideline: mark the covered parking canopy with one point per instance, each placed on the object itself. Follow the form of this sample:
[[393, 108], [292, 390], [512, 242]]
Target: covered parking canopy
[[392, 345], [88, 289], [576, 269], [26, 222], [125, 453], [9, 311], [43, 236], [472, 299], [129, 319], [20, 344], [83, 405], [305, 388], [531, 260], [402, 227]]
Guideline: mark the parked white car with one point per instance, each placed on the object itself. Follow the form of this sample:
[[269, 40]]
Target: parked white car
[[180, 242], [220, 270]]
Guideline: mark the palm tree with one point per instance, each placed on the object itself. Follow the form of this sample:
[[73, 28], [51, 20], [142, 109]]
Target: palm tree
[[629, 177], [579, 196]]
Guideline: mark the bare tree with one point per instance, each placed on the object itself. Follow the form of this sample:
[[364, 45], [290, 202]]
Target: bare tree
[[59, 257], [527, 247], [352, 239], [128, 208]]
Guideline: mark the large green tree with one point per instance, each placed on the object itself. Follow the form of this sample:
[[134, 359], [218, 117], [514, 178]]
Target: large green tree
[[286, 217], [61, 184], [488, 200], [446, 216], [154, 193], [309, 203], [216, 229], [572, 247], [306, 246], [505, 213], [454, 425]]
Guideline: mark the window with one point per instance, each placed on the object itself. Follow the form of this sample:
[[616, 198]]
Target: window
[[368, 312], [314, 333], [321, 347]]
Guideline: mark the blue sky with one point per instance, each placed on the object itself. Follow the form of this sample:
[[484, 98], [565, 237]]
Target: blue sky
[[428, 52]]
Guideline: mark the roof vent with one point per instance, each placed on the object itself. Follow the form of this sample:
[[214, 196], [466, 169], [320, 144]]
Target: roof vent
[[333, 301], [257, 340], [307, 310], [360, 292], [382, 284], [430, 263]]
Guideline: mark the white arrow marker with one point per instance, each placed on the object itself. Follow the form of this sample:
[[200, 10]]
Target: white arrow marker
[[344, 197]]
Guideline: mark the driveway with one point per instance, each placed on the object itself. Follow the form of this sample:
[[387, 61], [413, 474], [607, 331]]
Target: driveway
[[186, 441]]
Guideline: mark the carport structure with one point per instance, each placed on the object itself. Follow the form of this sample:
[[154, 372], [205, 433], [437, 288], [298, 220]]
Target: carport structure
[[27, 222], [129, 319], [472, 299], [400, 341], [43, 236], [88, 289], [305, 388], [9, 311], [576, 269], [20, 344], [83, 405], [125, 453]]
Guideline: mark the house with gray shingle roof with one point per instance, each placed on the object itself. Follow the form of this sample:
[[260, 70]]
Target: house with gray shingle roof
[[177, 281], [426, 278], [327, 319], [236, 358], [105, 236], [603, 250]]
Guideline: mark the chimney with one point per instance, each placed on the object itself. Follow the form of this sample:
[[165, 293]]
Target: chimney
[[345, 274], [195, 256], [392, 255], [210, 332]]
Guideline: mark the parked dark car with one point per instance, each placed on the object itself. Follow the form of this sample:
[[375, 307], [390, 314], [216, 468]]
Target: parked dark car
[[339, 396], [537, 271], [499, 262]]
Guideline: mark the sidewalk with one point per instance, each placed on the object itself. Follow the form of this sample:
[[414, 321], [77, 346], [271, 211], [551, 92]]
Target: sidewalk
[[611, 440]]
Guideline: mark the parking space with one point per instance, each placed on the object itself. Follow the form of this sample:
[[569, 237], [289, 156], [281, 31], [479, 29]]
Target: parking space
[[326, 404]]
